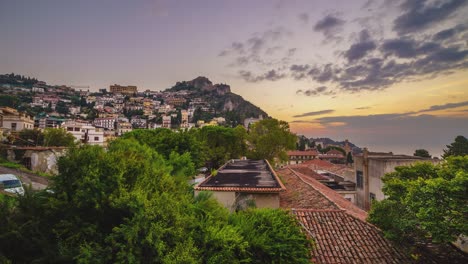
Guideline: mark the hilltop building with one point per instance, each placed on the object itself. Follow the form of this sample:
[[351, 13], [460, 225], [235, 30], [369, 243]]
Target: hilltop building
[[125, 90], [369, 169]]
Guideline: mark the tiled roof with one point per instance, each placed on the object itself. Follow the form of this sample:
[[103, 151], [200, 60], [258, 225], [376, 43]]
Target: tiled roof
[[300, 195], [307, 171], [334, 152], [318, 164], [302, 153], [333, 196], [342, 238]]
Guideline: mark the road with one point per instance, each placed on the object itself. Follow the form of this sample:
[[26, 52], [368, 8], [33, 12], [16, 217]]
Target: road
[[37, 182]]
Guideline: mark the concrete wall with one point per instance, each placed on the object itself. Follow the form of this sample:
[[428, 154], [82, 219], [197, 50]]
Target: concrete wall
[[261, 200], [39, 160], [377, 168], [266, 200]]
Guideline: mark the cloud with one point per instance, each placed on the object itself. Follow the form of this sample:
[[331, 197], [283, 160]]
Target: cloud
[[393, 61], [321, 90], [455, 33], [363, 108], [272, 75], [316, 113], [304, 121], [330, 25], [444, 107], [304, 18], [360, 49], [420, 14], [408, 48], [261, 49]]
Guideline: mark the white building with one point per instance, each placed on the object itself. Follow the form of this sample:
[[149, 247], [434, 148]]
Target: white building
[[108, 123], [13, 120], [84, 132]]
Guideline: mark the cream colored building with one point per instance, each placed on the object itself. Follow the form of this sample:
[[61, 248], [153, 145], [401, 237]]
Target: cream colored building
[[241, 183], [12, 120], [369, 169], [126, 90]]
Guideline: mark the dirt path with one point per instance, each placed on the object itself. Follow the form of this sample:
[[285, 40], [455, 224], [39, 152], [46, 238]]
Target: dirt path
[[37, 182]]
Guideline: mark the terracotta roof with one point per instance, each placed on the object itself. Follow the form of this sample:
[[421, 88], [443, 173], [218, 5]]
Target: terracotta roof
[[300, 195], [336, 198], [342, 238], [302, 153], [318, 164], [308, 171], [334, 152]]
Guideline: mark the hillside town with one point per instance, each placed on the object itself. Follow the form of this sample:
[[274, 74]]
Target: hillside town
[[97, 117]]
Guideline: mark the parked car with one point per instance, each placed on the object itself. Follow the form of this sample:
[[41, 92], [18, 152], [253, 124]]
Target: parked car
[[10, 183]]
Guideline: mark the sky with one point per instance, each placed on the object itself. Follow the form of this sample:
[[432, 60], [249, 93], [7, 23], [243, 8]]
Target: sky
[[388, 75]]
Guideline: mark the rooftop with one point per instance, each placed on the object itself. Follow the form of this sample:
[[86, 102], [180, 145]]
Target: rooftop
[[243, 175], [304, 191], [342, 238]]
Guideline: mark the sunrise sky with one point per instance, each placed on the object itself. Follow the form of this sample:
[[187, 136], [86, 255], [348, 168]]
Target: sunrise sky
[[388, 75]]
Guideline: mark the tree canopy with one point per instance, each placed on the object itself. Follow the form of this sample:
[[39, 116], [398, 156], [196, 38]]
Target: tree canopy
[[58, 137], [270, 139], [126, 205], [424, 200], [422, 153], [458, 148]]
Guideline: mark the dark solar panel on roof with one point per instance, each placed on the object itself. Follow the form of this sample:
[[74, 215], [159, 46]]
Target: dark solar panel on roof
[[243, 173]]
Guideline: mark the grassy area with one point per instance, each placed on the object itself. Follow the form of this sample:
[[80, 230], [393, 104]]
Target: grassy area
[[11, 165], [21, 167]]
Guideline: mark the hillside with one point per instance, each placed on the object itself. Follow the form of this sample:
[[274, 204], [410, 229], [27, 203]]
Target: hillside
[[220, 98], [329, 141]]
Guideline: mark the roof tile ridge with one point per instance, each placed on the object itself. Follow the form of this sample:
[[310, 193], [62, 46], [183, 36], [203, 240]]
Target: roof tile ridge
[[325, 195]]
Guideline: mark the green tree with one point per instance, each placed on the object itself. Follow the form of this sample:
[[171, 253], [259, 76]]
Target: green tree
[[458, 148], [30, 137], [166, 141], [122, 205], [8, 100], [58, 137], [62, 108], [422, 153], [262, 228], [270, 139], [349, 158], [222, 143], [424, 200]]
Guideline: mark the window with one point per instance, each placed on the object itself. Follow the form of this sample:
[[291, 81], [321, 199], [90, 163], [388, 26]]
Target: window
[[372, 196], [96, 138], [13, 126], [359, 179], [69, 128]]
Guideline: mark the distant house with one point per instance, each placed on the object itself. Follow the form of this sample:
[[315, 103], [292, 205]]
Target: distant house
[[298, 157], [12, 120], [370, 167], [84, 132], [240, 182]]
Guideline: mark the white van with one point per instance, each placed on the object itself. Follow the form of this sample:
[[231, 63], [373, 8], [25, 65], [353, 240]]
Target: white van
[[10, 183]]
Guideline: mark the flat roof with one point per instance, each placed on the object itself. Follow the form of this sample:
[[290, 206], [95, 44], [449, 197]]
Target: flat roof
[[243, 175]]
